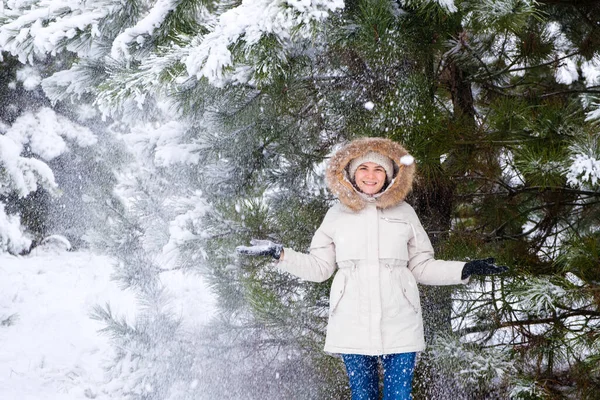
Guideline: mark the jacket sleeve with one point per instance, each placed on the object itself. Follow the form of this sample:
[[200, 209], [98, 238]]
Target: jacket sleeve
[[319, 264], [422, 263]]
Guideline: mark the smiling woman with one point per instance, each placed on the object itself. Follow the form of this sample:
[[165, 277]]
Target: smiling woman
[[370, 178], [374, 246], [371, 173]]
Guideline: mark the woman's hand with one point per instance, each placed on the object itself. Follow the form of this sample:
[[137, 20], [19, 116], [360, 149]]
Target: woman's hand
[[482, 267], [262, 248]]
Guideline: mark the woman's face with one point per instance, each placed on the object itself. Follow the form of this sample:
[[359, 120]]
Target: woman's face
[[369, 177]]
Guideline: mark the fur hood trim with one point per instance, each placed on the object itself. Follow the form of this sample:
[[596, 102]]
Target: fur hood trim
[[339, 183]]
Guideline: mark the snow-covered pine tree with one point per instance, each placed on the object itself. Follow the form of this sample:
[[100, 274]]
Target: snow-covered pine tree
[[529, 92], [497, 100], [155, 357], [133, 69], [28, 146], [55, 161], [488, 100], [19, 89]]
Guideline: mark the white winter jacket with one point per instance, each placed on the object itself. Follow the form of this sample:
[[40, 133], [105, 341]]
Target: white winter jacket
[[378, 251]]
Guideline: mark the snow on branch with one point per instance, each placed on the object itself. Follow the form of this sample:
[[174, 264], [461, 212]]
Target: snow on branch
[[473, 364], [248, 24], [537, 294], [46, 27], [523, 388], [185, 228], [12, 237], [594, 114], [166, 145], [567, 70], [70, 84], [446, 5], [44, 131], [125, 90], [584, 171], [146, 26], [42, 134], [22, 174]]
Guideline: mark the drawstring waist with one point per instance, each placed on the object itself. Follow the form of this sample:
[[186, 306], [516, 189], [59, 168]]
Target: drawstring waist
[[383, 262]]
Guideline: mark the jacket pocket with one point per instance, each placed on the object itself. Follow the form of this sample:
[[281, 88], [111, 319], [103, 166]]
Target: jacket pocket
[[338, 288], [404, 291], [410, 291], [394, 235], [393, 282]]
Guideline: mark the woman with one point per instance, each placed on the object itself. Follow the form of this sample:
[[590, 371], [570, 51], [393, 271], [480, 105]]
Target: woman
[[380, 250]]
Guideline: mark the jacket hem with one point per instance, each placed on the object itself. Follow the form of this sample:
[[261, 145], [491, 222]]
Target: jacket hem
[[374, 352]]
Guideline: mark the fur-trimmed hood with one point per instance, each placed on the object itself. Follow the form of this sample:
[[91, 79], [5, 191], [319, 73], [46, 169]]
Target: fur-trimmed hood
[[339, 183]]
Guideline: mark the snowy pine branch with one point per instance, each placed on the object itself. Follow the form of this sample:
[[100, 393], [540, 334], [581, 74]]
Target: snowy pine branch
[[144, 27], [226, 53], [584, 172], [474, 365], [35, 29]]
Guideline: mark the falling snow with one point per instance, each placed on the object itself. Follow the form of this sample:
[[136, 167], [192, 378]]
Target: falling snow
[[152, 157]]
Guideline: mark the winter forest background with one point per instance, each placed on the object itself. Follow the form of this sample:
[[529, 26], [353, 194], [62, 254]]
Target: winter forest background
[[161, 134]]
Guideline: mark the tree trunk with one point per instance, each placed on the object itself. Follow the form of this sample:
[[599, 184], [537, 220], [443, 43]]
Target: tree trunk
[[434, 202]]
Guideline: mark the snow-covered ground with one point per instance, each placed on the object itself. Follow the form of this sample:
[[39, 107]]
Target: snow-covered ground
[[50, 348]]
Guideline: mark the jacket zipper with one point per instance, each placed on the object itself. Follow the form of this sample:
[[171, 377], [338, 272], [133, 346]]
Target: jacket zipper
[[401, 221]]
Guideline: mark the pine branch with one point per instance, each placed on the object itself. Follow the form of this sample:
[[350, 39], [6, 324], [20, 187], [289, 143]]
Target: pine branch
[[551, 62], [569, 91], [529, 322]]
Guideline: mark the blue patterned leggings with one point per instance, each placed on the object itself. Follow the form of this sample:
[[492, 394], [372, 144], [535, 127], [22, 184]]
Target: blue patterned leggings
[[398, 372]]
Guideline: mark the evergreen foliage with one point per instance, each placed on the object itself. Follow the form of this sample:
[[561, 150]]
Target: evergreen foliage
[[496, 99], [54, 161], [38, 147]]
